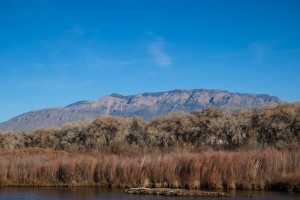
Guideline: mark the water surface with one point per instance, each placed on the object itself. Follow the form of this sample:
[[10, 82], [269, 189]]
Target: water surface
[[93, 193]]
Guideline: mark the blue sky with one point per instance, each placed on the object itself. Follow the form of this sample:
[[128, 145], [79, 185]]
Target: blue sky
[[53, 53]]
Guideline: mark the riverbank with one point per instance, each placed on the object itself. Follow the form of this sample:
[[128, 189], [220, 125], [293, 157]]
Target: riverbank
[[95, 193], [174, 192], [266, 170]]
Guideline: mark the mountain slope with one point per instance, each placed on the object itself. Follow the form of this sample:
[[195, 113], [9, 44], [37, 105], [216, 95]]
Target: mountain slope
[[146, 105]]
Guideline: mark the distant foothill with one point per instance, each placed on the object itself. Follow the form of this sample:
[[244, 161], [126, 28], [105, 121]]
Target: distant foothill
[[146, 106]]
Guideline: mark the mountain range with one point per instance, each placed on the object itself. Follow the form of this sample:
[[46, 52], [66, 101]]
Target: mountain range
[[146, 105]]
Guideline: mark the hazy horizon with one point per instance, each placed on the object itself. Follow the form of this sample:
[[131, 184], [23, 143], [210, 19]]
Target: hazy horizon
[[53, 53]]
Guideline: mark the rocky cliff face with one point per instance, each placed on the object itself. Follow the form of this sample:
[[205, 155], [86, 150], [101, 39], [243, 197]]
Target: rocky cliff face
[[146, 105]]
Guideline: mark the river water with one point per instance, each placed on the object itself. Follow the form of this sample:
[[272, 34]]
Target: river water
[[93, 193]]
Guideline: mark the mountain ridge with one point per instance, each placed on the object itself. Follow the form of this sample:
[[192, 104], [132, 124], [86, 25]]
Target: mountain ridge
[[146, 105]]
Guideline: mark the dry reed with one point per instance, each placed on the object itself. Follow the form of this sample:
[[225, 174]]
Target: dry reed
[[269, 169]]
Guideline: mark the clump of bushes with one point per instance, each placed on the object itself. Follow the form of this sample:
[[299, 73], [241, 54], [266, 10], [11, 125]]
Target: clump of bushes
[[208, 129], [245, 149]]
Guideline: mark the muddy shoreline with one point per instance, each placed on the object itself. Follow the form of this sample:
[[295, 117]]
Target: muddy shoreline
[[174, 192]]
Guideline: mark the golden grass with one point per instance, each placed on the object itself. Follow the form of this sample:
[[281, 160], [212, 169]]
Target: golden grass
[[269, 169]]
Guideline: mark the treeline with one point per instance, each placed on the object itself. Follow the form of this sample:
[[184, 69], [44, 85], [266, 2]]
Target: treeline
[[209, 129], [243, 149]]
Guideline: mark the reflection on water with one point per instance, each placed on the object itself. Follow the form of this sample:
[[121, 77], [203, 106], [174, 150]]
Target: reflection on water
[[91, 193]]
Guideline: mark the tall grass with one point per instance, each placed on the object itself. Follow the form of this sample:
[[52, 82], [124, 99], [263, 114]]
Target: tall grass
[[269, 169]]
